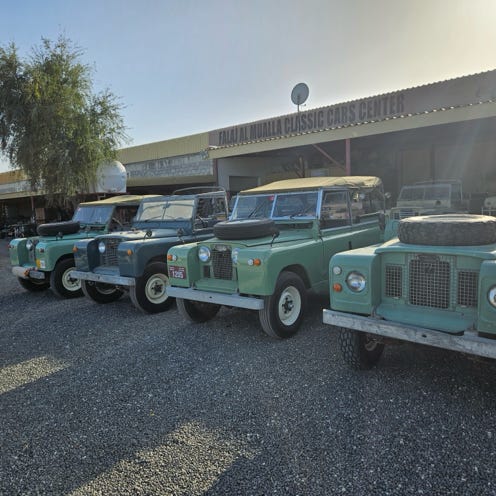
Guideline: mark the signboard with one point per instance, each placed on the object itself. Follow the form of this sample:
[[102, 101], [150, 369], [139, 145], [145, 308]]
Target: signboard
[[458, 92], [183, 166]]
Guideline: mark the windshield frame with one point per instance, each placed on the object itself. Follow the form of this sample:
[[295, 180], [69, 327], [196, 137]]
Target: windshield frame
[[94, 219], [274, 205], [164, 208]]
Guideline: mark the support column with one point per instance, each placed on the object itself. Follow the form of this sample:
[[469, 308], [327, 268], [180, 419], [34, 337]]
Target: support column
[[347, 142]]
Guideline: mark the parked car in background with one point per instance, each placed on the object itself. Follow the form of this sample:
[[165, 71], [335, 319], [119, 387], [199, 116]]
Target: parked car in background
[[45, 261], [275, 247], [135, 260], [435, 285], [426, 198]]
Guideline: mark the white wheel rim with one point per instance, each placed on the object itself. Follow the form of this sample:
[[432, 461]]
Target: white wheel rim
[[289, 306], [155, 289], [70, 283]]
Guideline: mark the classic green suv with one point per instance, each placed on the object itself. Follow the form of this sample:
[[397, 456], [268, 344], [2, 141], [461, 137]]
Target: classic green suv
[[135, 260], [435, 285], [45, 261], [276, 246], [426, 198]]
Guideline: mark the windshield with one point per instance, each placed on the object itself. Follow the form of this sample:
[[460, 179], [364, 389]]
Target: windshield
[[438, 192], [276, 206], [429, 192], [94, 215], [165, 210]]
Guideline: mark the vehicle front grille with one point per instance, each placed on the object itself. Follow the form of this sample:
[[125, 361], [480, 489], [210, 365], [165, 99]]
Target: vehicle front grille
[[394, 281], [429, 284], [468, 281], [222, 263], [432, 281], [109, 257]]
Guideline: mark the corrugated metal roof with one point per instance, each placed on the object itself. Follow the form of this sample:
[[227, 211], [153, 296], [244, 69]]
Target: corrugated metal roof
[[485, 94], [11, 177], [186, 145]]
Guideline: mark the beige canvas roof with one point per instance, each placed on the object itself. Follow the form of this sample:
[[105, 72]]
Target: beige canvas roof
[[316, 182], [119, 199]]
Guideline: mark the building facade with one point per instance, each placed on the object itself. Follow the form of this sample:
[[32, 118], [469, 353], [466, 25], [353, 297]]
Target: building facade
[[443, 130]]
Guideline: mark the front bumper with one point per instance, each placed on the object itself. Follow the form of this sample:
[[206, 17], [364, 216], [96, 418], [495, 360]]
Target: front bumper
[[230, 300], [104, 278], [468, 342], [28, 273]]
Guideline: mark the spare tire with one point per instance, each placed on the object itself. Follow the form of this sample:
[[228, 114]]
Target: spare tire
[[55, 228], [448, 230], [245, 229]]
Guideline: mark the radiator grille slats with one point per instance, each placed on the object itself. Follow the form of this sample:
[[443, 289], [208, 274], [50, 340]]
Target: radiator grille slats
[[468, 282], [429, 282], [394, 281], [432, 281], [222, 263], [109, 257]]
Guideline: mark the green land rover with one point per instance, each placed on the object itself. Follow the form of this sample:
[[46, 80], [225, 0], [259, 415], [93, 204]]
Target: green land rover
[[46, 261], [275, 247], [434, 285], [135, 260]]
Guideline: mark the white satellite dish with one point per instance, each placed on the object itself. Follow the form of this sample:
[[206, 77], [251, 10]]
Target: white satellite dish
[[299, 94]]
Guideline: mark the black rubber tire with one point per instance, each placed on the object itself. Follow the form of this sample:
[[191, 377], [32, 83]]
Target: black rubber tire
[[100, 292], [245, 229], [448, 230], [60, 282], [290, 290], [69, 227], [359, 351], [197, 311], [150, 294], [33, 285]]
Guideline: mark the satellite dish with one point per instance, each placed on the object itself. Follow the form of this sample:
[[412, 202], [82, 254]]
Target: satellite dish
[[299, 94]]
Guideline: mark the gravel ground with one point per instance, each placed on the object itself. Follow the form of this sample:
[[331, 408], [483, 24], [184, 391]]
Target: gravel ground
[[104, 400]]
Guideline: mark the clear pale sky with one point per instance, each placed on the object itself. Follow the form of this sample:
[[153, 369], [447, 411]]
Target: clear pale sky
[[182, 67]]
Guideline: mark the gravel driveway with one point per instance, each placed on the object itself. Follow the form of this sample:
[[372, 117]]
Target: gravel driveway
[[104, 400]]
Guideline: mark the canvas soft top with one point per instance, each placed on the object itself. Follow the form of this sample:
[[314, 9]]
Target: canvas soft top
[[119, 200], [316, 182]]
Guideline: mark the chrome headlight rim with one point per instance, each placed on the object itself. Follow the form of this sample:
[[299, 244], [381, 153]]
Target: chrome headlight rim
[[29, 244], [101, 247], [356, 281], [491, 296], [204, 254]]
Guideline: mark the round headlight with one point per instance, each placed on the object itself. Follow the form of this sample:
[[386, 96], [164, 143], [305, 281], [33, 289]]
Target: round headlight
[[29, 244], [355, 281], [234, 256], [491, 296], [203, 254], [101, 247]]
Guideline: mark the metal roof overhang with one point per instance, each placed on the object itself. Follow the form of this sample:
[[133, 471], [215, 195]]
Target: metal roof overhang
[[409, 122], [164, 181]]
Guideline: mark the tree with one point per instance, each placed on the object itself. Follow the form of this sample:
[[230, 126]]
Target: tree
[[52, 126]]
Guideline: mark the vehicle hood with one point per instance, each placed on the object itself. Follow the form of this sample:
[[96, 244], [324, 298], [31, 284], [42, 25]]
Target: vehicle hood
[[141, 234], [293, 236], [484, 252]]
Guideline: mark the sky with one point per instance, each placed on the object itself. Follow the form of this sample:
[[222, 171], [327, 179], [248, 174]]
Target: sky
[[182, 67]]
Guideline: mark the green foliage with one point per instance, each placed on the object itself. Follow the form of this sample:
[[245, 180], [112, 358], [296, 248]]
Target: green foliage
[[52, 126]]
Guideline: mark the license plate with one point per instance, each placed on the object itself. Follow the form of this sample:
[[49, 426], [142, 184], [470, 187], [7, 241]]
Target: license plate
[[177, 272], [34, 274]]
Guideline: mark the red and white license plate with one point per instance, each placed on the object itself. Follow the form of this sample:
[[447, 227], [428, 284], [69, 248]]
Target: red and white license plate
[[177, 272]]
